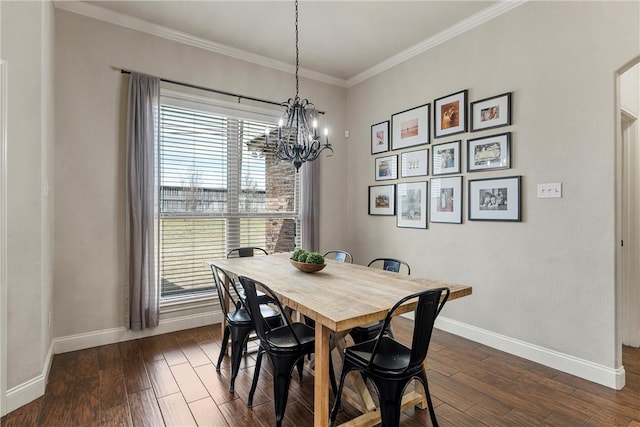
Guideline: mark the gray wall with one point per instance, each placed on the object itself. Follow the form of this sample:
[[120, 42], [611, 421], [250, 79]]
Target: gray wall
[[90, 269], [27, 46], [549, 280]]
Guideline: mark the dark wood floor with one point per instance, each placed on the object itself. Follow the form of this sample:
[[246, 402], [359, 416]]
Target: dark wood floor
[[170, 380]]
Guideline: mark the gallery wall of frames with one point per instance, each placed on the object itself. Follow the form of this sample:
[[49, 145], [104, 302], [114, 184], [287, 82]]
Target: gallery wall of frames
[[420, 155]]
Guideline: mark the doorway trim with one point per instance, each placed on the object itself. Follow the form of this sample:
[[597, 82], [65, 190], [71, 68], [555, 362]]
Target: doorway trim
[[619, 230], [3, 237]]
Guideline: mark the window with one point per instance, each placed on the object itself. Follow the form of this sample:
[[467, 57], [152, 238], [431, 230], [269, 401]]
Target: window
[[218, 190]]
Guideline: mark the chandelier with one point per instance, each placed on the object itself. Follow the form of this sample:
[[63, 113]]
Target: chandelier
[[298, 140]]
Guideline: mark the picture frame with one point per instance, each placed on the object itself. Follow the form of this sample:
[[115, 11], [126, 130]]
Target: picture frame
[[380, 137], [382, 200], [495, 199], [414, 163], [450, 114], [386, 168], [446, 200], [412, 204], [490, 113], [410, 127], [489, 152], [445, 158]]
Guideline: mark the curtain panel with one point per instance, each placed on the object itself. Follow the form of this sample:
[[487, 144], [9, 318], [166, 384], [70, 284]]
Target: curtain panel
[[142, 133], [309, 212]]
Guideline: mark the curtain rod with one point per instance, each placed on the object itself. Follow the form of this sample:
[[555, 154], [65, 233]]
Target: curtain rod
[[221, 92]]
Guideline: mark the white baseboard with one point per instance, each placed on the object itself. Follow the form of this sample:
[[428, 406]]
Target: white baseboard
[[114, 335], [30, 390], [609, 377]]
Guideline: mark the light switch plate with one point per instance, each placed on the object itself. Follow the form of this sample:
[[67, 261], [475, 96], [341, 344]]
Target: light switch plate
[[549, 191]]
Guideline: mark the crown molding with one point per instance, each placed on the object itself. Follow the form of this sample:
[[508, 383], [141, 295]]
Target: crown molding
[[102, 14], [438, 39]]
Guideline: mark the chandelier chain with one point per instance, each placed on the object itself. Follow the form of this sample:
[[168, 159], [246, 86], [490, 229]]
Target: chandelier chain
[[298, 140], [297, 53]]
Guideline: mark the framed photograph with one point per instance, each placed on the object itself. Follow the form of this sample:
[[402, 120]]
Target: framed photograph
[[491, 113], [495, 199], [450, 114], [410, 127], [489, 153], [446, 158], [414, 163], [412, 202], [446, 200], [380, 137], [382, 199], [386, 168]]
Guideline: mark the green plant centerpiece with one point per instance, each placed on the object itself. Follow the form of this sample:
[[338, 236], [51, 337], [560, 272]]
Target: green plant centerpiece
[[309, 262]]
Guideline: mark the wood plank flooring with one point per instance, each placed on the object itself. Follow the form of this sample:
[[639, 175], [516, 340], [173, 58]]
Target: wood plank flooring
[[171, 380]]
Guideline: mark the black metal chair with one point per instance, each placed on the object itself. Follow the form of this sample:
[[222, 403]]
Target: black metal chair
[[238, 323], [340, 256], [391, 365], [286, 345], [369, 332], [246, 251], [391, 264]]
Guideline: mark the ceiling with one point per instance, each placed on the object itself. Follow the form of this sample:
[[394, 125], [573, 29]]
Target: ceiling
[[339, 40]]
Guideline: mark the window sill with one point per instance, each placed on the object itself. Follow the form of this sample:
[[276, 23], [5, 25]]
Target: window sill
[[171, 305]]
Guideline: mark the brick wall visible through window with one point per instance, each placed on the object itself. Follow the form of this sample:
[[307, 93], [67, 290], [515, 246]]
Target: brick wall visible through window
[[217, 189]]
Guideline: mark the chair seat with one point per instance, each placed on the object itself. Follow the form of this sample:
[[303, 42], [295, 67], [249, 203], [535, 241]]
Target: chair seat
[[281, 339], [391, 356], [241, 317]]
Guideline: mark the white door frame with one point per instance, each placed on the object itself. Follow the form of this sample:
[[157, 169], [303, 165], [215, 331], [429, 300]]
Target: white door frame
[[630, 274], [620, 232], [3, 237]]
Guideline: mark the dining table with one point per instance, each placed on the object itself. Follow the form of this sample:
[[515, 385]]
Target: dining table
[[338, 298]]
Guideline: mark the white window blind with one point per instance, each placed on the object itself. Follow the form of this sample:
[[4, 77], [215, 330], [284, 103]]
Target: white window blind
[[218, 190]]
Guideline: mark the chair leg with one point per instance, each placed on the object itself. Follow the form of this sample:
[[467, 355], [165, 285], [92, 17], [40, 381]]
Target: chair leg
[[223, 350], [425, 383], [346, 367], [256, 374], [332, 377], [390, 394], [239, 337], [282, 367], [300, 366]]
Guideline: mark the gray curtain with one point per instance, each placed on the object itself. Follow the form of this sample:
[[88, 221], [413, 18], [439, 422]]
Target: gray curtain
[[142, 125], [310, 209]]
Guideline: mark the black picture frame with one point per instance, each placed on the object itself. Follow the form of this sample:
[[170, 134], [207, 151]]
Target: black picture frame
[[446, 200], [382, 200], [450, 114], [380, 137], [495, 199], [386, 168], [491, 113], [491, 152], [446, 158], [410, 128], [413, 198]]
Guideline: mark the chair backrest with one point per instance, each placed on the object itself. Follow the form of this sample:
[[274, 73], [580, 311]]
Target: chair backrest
[[225, 285], [246, 251], [262, 327], [340, 256], [430, 303], [391, 264]]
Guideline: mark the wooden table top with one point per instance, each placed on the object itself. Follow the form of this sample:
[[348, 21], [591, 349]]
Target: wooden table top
[[340, 296]]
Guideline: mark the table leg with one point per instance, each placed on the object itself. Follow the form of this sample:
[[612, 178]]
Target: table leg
[[321, 380]]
